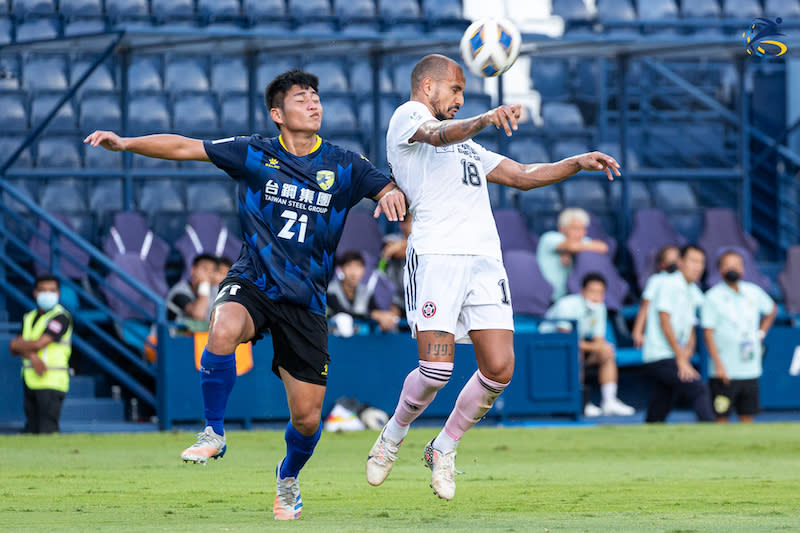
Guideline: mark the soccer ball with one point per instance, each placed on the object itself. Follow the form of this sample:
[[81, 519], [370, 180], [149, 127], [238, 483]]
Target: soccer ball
[[490, 46]]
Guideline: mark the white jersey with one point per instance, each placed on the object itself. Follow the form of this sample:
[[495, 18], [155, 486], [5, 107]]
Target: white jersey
[[446, 187]]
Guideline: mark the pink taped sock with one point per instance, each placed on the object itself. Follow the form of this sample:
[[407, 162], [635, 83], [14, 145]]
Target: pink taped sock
[[474, 401], [420, 388]]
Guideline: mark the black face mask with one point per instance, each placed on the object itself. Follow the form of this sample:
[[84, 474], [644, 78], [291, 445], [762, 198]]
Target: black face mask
[[671, 268], [731, 276]]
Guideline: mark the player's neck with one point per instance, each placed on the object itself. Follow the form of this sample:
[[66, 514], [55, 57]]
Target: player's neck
[[299, 144]]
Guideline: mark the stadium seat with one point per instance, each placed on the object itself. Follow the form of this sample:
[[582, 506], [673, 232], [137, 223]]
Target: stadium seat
[[672, 195], [74, 262], [100, 112], [26, 188], [81, 8], [354, 9], [365, 112], [393, 10], [14, 118], [639, 195], [216, 9], [125, 301], [172, 9], [84, 27], [37, 30], [361, 78], [43, 105], [561, 116], [472, 107], [348, 143], [5, 8], [229, 74], [207, 233], [700, 9], [159, 196], [653, 10], [270, 66], [530, 292], [147, 115], [361, 232], [58, 152], [751, 271], [436, 10], [401, 76], [66, 195], [210, 196], [309, 9], [105, 195], [234, 116], [144, 74], [338, 116], [616, 287], [45, 73], [613, 149], [615, 10], [140, 161], [586, 193], [541, 208], [316, 27], [787, 9], [102, 79], [7, 147], [186, 74], [789, 280], [572, 10], [98, 159], [525, 150], [550, 78], [513, 231], [597, 231], [332, 78], [563, 149], [5, 33], [25, 8], [264, 9], [197, 115], [651, 231], [741, 9], [10, 72], [126, 9], [348, 28], [721, 228]]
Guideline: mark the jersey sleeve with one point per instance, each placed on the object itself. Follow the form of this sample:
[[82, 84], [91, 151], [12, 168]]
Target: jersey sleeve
[[58, 326], [663, 300], [368, 182], [708, 314], [406, 121], [229, 154], [489, 159], [650, 288], [599, 329], [765, 303]]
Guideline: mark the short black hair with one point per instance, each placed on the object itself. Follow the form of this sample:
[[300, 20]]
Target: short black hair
[[431, 66], [689, 247], [593, 276], [42, 278], [204, 257], [663, 251], [727, 252], [350, 256], [224, 261], [277, 88]]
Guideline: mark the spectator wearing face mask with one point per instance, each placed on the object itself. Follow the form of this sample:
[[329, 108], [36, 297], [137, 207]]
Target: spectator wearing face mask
[[667, 263], [736, 317]]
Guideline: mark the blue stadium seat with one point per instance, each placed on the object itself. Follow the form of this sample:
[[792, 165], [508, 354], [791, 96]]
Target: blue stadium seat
[[612, 149], [101, 159], [640, 196], [159, 196], [572, 10], [315, 27], [586, 193], [309, 9], [100, 112], [541, 207], [14, 118], [561, 116], [127, 9], [5, 9], [387, 107], [37, 30], [210, 196], [348, 143], [84, 27], [401, 30], [787, 9], [264, 9], [29, 189], [567, 148], [102, 79], [615, 10], [472, 107], [81, 8], [657, 9], [45, 73], [5, 31], [186, 74], [361, 78], [41, 107], [144, 74], [741, 9], [270, 66], [550, 78], [197, 115], [436, 10], [229, 74], [147, 115], [360, 28], [140, 161], [700, 9], [172, 9], [234, 115], [338, 116], [105, 195], [354, 9], [215, 9], [24, 8], [58, 152], [399, 9], [401, 76], [527, 150], [7, 147], [674, 195], [332, 78], [10, 73], [66, 195]]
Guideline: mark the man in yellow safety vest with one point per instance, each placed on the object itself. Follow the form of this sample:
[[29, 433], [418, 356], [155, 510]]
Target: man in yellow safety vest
[[45, 347]]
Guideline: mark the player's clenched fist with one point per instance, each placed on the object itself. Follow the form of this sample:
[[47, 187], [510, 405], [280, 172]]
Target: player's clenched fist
[[599, 161], [505, 116], [107, 139]]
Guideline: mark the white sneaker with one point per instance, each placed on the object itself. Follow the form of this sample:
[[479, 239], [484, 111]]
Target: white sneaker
[[591, 410], [443, 467], [616, 407], [288, 503], [209, 445], [381, 459]]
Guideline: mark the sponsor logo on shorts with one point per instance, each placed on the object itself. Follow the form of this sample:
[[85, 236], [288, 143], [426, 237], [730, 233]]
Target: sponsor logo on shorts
[[722, 403], [324, 370], [428, 309]]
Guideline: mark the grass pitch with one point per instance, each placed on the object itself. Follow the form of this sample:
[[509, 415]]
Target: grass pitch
[[632, 478]]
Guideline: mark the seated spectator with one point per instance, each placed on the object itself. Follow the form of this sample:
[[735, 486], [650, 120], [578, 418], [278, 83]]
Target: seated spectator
[[588, 309], [556, 249], [736, 317], [353, 294], [192, 299], [667, 263], [393, 260]]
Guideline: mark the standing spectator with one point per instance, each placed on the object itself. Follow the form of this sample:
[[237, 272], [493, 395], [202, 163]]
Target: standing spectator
[[667, 263], [191, 299], [669, 340], [588, 309], [736, 317], [45, 347], [355, 295], [557, 249], [393, 260]]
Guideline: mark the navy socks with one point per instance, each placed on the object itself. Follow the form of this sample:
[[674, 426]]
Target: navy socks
[[217, 376], [298, 450]]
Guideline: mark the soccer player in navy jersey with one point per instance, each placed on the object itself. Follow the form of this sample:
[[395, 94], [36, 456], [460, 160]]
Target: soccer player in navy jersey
[[294, 193]]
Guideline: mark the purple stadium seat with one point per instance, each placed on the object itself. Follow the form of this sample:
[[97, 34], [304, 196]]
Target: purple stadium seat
[[531, 294], [651, 231], [616, 287], [142, 271], [513, 231], [384, 292], [789, 280], [206, 233], [721, 228], [596, 231], [130, 234], [76, 267], [751, 272], [361, 233]]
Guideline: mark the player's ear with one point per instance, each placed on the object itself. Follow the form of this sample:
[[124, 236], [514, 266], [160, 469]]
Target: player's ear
[[277, 116]]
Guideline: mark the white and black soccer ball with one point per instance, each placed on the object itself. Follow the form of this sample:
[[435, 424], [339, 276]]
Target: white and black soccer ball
[[490, 46]]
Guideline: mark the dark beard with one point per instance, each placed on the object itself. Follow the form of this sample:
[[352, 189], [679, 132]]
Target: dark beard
[[440, 116]]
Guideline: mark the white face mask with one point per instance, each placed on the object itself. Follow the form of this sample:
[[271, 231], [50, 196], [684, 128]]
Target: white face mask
[[594, 306], [46, 300]]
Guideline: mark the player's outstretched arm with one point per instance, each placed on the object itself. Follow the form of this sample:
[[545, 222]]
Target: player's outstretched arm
[[391, 202], [526, 177], [445, 132], [163, 146]]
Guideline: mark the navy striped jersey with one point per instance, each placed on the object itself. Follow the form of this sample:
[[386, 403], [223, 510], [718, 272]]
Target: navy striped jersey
[[292, 211]]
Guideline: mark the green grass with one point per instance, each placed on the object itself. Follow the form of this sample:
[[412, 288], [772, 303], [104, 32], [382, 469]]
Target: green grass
[[633, 478]]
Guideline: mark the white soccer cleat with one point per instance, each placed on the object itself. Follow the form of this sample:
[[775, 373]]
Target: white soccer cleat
[[381, 459], [209, 445], [443, 468], [616, 407], [288, 503]]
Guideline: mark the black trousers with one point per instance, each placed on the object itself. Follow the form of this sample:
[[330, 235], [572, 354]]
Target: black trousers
[[42, 409], [668, 388]]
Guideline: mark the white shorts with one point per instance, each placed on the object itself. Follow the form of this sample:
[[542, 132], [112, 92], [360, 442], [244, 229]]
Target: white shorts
[[456, 294]]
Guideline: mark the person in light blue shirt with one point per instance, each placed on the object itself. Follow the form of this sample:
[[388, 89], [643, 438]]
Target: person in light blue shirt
[[667, 263], [589, 311], [736, 317], [669, 340], [556, 249]]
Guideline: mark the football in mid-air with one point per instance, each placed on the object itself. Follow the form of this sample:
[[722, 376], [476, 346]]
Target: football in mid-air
[[490, 46]]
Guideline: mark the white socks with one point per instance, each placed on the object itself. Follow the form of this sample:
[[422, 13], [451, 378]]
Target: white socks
[[608, 391], [394, 431]]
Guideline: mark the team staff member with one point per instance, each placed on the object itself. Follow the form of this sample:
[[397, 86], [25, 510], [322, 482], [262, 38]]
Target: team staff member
[[45, 347], [736, 317]]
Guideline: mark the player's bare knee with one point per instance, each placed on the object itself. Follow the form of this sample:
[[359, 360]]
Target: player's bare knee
[[307, 422], [500, 370], [224, 336]]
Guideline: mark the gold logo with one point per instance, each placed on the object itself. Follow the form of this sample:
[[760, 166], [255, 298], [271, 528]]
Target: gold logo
[[324, 370], [272, 163], [722, 404], [325, 179]]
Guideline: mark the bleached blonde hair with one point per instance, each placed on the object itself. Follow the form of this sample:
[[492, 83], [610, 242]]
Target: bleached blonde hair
[[573, 213]]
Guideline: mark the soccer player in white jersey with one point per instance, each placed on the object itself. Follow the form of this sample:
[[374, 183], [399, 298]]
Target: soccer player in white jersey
[[456, 286]]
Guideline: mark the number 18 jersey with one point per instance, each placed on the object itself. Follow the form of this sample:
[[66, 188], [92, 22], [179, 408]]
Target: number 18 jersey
[[445, 186]]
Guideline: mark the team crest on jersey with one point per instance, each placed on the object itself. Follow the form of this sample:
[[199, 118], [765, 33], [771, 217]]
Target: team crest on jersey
[[272, 163], [428, 309], [325, 179]]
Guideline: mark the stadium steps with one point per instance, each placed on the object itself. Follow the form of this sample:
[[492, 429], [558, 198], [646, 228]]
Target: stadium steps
[[84, 412]]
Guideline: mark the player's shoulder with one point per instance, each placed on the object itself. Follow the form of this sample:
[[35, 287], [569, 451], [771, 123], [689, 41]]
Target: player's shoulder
[[410, 110], [342, 154]]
